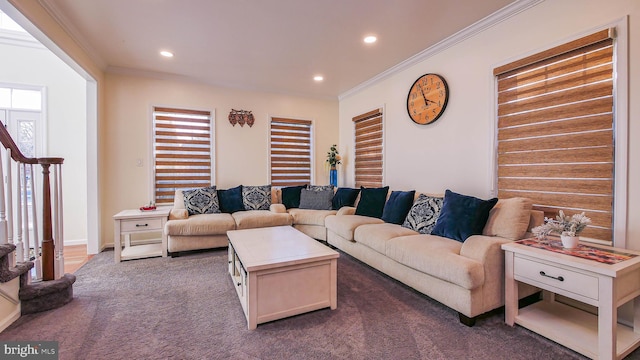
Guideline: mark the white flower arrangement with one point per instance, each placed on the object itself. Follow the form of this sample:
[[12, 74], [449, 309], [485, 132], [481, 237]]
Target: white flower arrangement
[[562, 225]]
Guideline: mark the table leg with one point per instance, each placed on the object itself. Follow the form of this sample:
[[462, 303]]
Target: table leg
[[607, 319], [117, 246], [511, 290]]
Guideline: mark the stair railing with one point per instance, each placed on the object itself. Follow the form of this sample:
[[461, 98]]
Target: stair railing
[[47, 252]]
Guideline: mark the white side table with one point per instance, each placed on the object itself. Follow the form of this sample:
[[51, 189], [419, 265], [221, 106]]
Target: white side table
[[129, 222], [605, 286]]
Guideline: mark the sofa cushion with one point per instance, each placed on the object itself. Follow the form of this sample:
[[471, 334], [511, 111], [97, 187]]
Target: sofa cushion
[[260, 218], [231, 199], [201, 201], [344, 197], [438, 257], [376, 236], [509, 218], [310, 217], [320, 187], [345, 225], [372, 201], [397, 206], [256, 197], [202, 224], [423, 214], [462, 216], [291, 196], [316, 200]]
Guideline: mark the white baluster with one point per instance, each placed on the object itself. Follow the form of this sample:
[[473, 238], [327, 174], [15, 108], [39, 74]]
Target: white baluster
[[3, 215], [25, 215], [9, 196], [57, 221], [36, 237], [20, 255]]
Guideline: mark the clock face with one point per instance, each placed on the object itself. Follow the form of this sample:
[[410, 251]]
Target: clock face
[[427, 98]]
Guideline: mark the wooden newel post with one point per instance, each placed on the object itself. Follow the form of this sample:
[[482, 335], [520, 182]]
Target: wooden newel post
[[48, 247]]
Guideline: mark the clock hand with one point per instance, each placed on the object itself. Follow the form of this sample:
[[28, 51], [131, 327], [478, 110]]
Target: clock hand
[[425, 98]]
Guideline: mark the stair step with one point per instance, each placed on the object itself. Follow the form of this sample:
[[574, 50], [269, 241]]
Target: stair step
[[46, 295]]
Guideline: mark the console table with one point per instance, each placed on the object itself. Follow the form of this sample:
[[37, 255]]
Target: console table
[[135, 221], [605, 285]]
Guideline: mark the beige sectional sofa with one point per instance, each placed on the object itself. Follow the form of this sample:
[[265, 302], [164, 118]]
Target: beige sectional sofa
[[208, 231], [465, 276]]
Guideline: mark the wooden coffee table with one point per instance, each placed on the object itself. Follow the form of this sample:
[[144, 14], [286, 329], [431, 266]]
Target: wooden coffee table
[[280, 272]]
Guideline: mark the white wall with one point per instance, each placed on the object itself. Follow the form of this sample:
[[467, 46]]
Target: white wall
[[241, 152], [456, 151], [66, 126]]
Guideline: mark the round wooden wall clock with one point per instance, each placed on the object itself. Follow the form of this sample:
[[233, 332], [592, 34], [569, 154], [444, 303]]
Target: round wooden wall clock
[[427, 98]]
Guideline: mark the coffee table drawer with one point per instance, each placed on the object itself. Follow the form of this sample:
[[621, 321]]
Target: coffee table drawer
[[557, 278], [140, 225]]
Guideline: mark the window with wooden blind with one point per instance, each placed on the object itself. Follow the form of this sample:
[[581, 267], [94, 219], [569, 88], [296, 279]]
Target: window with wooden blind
[[555, 130], [182, 145], [368, 149], [290, 152]]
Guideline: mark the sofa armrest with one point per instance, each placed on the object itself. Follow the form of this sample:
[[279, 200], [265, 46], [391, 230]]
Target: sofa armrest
[[176, 214], [278, 208], [347, 210], [488, 251]]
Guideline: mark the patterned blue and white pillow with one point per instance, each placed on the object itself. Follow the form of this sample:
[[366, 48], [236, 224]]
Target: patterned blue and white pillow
[[256, 197], [423, 214], [201, 201]]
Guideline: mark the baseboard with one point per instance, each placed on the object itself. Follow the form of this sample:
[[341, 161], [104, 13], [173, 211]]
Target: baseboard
[[75, 242], [15, 315]]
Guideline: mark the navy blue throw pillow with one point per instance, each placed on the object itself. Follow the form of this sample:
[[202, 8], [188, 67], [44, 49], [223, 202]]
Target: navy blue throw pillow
[[462, 216], [344, 197], [231, 200], [398, 206], [291, 196], [372, 201]]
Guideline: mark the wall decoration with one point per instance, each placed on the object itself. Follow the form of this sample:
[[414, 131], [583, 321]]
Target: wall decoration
[[427, 99], [241, 117]]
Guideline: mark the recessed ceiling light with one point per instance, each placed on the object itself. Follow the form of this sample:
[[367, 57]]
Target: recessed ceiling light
[[166, 53], [318, 78], [370, 39]]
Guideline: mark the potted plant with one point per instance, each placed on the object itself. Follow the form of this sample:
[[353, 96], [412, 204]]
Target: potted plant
[[333, 159], [568, 227]]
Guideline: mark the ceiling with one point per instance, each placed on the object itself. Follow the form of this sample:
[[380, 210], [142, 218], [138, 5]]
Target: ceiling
[[264, 45]]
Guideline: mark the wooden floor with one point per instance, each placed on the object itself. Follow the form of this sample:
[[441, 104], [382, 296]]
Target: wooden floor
[[74, 257]]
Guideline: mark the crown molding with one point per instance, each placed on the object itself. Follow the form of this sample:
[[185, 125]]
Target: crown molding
[[61, 19], [470, 31]]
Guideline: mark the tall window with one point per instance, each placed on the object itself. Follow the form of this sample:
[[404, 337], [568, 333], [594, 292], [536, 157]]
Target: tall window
[[290, 152], [555, 130], [182, 147], [368, 149]]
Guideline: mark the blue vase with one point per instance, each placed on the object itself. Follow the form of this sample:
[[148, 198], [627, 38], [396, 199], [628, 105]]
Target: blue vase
[[333, 177]]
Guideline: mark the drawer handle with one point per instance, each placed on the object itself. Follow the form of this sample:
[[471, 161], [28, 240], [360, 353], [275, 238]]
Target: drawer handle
[[239, 284], [141, 225], [559, 278]]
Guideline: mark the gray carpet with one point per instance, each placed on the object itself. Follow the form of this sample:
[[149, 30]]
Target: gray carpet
[[187, 308]]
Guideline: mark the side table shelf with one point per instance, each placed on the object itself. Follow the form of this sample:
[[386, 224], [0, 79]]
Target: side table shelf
[[128, 222]]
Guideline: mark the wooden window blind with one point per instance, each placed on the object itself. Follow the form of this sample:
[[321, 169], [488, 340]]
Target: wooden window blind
[[182, 151], [368, 149], [555, 130], [290, 152]]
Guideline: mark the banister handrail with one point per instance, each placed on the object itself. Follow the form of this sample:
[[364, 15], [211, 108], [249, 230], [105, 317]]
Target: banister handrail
[[16, 154]]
